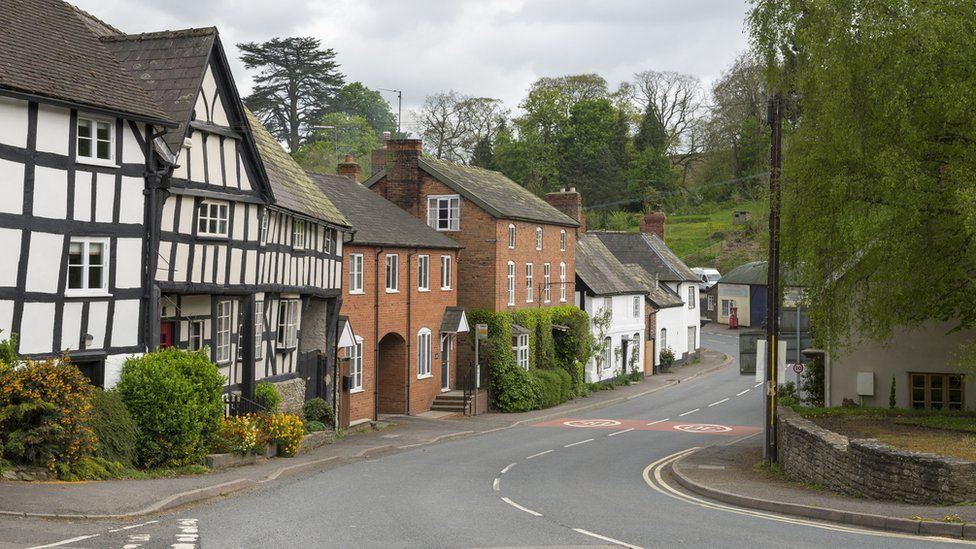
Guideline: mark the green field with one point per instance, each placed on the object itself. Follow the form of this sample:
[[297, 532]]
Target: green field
[[711, 239]]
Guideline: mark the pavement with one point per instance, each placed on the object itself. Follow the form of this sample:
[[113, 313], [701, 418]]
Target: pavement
[[133, 498]]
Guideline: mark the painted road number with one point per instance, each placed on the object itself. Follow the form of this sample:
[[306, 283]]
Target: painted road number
[[702, 428], [592, 423]]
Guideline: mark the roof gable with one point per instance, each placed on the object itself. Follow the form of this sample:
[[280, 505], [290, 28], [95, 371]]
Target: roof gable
[[659, 294], [648, 251], [601, 271]]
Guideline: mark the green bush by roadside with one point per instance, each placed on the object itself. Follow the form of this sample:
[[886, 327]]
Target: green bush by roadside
[[318, 410], [115, 430], [266, 394], [174, 397]]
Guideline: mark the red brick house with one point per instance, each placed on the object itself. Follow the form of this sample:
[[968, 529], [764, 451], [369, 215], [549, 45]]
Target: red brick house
[[400, 294]]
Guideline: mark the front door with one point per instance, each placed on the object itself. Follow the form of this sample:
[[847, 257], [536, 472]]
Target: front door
[[445, 362], [167, 331]]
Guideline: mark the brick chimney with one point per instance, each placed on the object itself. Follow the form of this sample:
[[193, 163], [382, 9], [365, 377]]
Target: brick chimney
[[654, 222], [570, 203], [403, 173], [349, 168], [378, 159]]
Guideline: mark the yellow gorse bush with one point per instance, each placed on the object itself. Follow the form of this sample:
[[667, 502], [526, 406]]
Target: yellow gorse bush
[[287, 431]]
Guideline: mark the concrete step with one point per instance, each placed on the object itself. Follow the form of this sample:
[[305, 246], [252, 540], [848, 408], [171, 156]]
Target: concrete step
[[448, 408]]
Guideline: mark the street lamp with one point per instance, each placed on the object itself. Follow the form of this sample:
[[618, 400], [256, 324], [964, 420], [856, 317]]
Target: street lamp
[[336, 129]]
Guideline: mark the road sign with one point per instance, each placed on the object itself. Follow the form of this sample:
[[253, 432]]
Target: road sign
[[482, 331], [592, 423], [798, 367], [702, 428]]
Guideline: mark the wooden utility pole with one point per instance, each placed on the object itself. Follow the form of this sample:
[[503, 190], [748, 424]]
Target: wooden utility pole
[[775, 116]]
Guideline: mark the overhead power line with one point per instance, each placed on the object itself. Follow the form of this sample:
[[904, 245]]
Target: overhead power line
[[679, 191]]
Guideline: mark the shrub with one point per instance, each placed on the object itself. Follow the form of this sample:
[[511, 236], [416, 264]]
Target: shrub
[[667, 359], [45, 409], [90, 468], [565, 385], [548, 386], [242, 435], [635, 375], [314, 426], [318, 410], [174, 397], [8, 352], [893, 395], [115, 430], [267, 395], [287, 431]]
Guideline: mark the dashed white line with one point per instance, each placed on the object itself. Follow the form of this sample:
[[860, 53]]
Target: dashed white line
[[689, 412], [65, 542], [496, 486], [719, 402], [520, 508], [539, 454], [578, 443], [131, 526], [758, 384], [506, 469], [659, 421], [605, 538], [620, 432], [740, 393]]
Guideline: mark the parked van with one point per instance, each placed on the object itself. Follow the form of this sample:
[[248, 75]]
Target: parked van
[[709, 277]]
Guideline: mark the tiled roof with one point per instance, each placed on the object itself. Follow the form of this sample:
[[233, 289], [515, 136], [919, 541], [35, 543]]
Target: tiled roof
[[659, 294], [292, 189], [648, 251], [454, 321], [755, 273], [601, 271], [375, 219], [52, 49], [170, 66]]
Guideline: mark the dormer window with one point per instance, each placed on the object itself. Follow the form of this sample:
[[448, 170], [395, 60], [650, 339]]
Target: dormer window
[[444, 212], [95, 138]]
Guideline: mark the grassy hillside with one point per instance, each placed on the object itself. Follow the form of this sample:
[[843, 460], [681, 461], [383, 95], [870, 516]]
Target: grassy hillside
[[709, 238]]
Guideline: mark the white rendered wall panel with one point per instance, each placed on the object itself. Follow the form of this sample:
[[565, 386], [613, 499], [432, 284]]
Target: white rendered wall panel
[[132, 202], [6, 318], [97, 320], [238, 229], [10, 246], [181, 266], [249, 275], [104, 197], [53, 125], [44, 263], [83, 196], [13, 131], [180, 172], [11, 181], [131, 152], [50, 193], [196, 157], [128, 256], [169, 212], [208, 90], [36, 328], [213, 160], [218, 114], [163, 267], [186, 214], [71, 325], [125, 327], [236, 256], [221, 274]]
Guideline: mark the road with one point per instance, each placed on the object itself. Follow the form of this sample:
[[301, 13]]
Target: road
[[548, 484]]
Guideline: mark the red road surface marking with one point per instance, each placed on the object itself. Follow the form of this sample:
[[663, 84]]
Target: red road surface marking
[[641, 425]]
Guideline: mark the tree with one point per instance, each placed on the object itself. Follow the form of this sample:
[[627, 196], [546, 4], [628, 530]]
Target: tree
[[453, 125], [676, 101], [356, 137], [355, 99], [296, 82], [879, 165], [592, 152]]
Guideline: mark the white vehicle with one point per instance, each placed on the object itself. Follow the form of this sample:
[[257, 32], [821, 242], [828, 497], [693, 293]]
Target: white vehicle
[[709, 276]]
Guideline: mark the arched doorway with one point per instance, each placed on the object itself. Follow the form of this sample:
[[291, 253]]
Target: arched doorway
[[392, 382]]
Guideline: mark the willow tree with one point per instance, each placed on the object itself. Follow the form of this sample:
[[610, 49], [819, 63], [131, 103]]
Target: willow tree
[[879, 181]]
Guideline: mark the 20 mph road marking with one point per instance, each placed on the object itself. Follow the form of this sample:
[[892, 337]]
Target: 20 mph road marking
[[578, 443], [689, 412], [520, 508], [605, 538], [539, 454], [506, 469], [719, 402], [740, 393]]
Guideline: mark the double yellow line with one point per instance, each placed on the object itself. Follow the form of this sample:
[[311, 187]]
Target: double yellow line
[[658, 484]]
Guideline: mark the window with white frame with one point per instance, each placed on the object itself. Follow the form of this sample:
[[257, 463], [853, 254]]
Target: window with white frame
[[212, 218], [423, 273], [691, 297], [546, 280], [663, 343], [330, 241], [607, 353], [538, 238], [520, 346], [95, 139], [727, 306], [711, 302], [562, 240], [444, 212], [529, 286], [355, 355], [562, 282], [636, 306], [288, 324], [258, 330], [265, 219], [298, 234], [222, 344], [511, 236], [88, 260], [511, 283], [196, 335], [423, 353], [355, 273], [446, 272], [392, 273]]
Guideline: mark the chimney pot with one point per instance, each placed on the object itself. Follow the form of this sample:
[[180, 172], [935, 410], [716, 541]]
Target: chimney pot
[[386, 137], [349, 168], [572, 189], [654, 223]]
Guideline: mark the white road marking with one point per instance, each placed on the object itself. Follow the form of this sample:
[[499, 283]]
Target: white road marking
[[740, 393], [496, 486], [506, 469], [689, 412], [539, 454], [620, 432], [65, 542], [577, 443], [605, 538], [758, 384], [659, 421], [131, 526], [520, 508], [719, 402]]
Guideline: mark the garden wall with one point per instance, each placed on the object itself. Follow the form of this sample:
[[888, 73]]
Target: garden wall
[[869, 468]]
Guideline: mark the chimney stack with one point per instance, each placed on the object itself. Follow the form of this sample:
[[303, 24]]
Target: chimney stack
[[654, 223], [403, 174], [377, 161], [570, 203], [349, 168]]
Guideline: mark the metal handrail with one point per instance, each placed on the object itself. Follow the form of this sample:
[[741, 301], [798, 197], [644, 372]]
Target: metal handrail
[[238, 405]]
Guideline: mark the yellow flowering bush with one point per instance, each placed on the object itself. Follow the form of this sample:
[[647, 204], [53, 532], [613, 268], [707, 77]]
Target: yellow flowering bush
[[287, 431], [241, 434], [45, 410]]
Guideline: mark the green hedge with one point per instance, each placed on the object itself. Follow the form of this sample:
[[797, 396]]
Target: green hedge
[[115, 430]]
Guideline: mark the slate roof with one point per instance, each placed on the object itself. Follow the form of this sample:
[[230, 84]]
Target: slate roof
[[601, 271], [170, 65], [755, 273], [648, 251], [659, 294], [52, 49], [454, 320], [492, 191], [292, 188], [378, 221]]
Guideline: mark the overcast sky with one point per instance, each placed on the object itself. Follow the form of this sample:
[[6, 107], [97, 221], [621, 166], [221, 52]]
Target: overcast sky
[[493, 48]]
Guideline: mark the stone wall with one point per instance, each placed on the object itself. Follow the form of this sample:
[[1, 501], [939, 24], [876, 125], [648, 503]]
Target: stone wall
[[292, 394], [869, 468]]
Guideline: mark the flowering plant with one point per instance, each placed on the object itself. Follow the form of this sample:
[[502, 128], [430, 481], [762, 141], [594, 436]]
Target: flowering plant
[[287, 431]]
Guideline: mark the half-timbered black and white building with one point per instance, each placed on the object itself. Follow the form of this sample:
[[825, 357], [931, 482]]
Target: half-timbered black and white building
[[144, 207]]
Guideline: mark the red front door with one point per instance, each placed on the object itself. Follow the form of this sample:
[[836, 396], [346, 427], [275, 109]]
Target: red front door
[[166, 332]]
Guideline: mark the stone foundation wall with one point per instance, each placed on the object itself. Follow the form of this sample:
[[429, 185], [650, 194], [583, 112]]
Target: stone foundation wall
[[292, 394], [869, 468]]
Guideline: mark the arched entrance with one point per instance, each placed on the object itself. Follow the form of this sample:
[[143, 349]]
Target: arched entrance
[[392, 382]]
